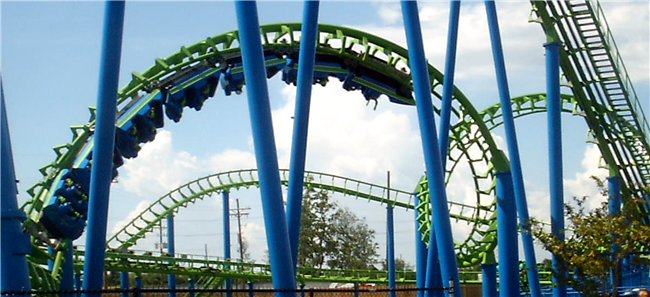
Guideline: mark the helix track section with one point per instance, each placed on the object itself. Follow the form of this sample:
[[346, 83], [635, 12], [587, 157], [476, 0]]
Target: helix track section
[[363, 62]]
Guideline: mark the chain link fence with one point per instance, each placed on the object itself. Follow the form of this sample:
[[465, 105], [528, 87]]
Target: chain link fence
[[253, 292]]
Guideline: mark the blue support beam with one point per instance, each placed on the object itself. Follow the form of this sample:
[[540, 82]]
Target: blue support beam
[[506, 229], [77, 283], [390, 249], [226, 238], [138, 285], [513, 148], [104, 138], [124, 283], [68, 276], [306, 61], [171, 252], [448, 81], [265, 151], [251, 290], [191, 287], [489, 280], [554, 122], [431, 149], [433, 277], [614, 208], [14, 276], [420, 251]]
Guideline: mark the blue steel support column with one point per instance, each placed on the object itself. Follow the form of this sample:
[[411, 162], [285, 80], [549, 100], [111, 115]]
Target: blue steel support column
[[390, 246], [67, 276], [433, 277], [251, 290], [78, 285], [506, 229], [448, 81], [265, 151], [102, 169], [301, 123], [614, 193], [513, 149], [489, 280], [226, 238], [14, 276], [191, 287], [614, 205], [554, 122], [171, 251], [420, 251], [422, 87], [138, 285], [124, 283]]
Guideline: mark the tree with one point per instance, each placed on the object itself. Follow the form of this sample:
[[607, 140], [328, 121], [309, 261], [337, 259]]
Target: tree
[[355, 247], [333, 236], [587, 250], [316, 234]]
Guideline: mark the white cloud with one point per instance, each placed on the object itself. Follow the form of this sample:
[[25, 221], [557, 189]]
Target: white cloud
[[231, 159], [158, 168], [255, 236], [347, 137], [582, 183]]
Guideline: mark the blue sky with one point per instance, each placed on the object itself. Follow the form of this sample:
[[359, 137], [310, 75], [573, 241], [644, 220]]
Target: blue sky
[[50, 59]]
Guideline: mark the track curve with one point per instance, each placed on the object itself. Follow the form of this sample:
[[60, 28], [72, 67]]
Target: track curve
[[201, 188], [362, 61]]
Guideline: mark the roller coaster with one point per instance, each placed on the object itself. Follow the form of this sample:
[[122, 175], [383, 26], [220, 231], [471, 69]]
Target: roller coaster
[[602, 94]]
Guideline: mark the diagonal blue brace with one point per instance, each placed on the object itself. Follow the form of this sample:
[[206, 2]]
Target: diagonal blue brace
[[513, 149], [67, 276], [102, 166], [433, 162], [448, 80], [306, 61], [14, 276], [433, 278], [506, 228], [420, 251], [259, 109]]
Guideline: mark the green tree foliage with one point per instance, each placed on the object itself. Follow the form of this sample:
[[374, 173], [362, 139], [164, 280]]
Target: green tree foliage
[[354, 245], [587, 249], [333, 236]]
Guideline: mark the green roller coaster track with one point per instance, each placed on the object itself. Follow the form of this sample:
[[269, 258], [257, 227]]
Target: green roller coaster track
[[365, 51], [602, 94]]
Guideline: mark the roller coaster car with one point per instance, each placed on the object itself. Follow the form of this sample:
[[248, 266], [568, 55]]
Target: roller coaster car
[[61, 222]]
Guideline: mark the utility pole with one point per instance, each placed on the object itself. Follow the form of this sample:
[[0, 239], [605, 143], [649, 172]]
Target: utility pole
[[161, 244], [240, 212]]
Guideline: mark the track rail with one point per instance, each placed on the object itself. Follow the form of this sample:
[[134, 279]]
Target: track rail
[[199, 267], [362, 61], [595, 71], [204, 187]]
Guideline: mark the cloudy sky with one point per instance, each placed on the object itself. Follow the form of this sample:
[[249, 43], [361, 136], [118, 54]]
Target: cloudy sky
[[50, 54]]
